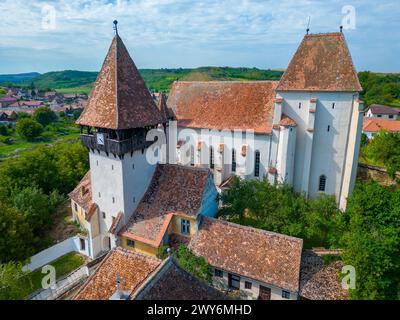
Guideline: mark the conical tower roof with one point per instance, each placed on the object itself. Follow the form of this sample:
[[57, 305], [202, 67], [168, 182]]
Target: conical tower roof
[[120, 99]]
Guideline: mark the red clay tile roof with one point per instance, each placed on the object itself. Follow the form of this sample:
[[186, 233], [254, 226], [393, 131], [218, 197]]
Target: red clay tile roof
[[376, 124], [162, 106], [120, 98], [381, 109], [174, 188], [133, 269], [287, 121], [174, 283], [224, 104], [83, 199], [321, 63], [319, 281], [261, 255]]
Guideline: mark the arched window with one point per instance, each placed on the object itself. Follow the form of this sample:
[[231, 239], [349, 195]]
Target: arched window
[[211, 157], [233, 160], [322, 183], [257, 164]]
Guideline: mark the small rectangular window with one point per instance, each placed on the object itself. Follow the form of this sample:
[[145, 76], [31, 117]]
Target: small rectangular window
[[390, 116], [218, 273], [233, 160], [113, 199], [76, 207], [185, 226], [333, 105], [133, 166], [83, 244], [134, 199], [329, 128], [104, 215], [130, 243], [97, 162], [248, 284], [299, 105], [285, 294], [379, 116], [99, 195], [257, 164], [112, 167]]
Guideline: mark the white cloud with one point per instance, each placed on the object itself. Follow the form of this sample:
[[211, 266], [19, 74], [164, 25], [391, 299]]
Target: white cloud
[[84, 28]]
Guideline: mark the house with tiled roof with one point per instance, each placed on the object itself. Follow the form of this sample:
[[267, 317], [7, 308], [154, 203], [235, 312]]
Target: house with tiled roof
[[382, 112], [372, 126], [306, 128], [259, 264]]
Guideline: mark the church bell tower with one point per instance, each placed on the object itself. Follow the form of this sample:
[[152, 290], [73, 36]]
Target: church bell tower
[[114, 124]]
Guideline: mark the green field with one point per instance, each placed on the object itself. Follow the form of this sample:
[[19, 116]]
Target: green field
[[65, 132]]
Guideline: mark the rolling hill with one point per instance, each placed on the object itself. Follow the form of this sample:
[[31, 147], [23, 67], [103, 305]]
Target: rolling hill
[[18, 78], [156, 79]]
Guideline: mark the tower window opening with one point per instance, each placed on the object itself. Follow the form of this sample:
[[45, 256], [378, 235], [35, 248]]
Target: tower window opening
[[211, 157], [233, 160], [257, 164], [322, 183]]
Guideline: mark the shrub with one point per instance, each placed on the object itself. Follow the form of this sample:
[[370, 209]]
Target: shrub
[[28, 128], [193, 264]]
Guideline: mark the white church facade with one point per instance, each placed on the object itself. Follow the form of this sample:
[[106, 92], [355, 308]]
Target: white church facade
[[303, 130]]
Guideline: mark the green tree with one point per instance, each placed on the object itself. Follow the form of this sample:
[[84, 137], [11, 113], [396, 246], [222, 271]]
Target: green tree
[[15, 235], [385, 148], [44, 116], [37, 207], [14, 282], [372, 242], [3, 130], [277, 208], [28, 128], [58, 167]]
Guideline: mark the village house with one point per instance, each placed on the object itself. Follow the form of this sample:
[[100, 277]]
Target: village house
[[7, 101], [382, 112], [258, 264], [372, 126], [306, 127]]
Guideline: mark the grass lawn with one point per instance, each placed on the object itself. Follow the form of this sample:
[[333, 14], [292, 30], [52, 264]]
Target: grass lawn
[[63, 265], [19, 144]]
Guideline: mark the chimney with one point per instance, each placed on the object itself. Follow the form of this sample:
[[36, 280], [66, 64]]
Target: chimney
[[119, 294]]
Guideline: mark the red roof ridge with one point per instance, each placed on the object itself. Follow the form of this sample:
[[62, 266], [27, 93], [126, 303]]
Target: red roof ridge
[[252, 229]]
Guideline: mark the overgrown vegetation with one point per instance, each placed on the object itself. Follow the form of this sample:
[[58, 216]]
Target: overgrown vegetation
[[383, 150], [368, 232], [371, 242], [193, 264], [262, 205], [32, 186], [380, 88]]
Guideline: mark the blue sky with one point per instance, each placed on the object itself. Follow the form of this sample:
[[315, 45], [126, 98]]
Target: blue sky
[[189, 33]]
